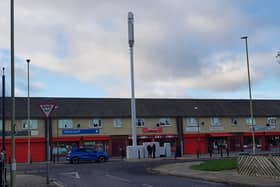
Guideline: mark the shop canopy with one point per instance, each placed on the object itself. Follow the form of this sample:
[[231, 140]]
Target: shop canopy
[[220, 134]]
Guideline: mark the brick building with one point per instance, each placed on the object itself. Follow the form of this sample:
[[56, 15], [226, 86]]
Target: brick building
[[104, 123]]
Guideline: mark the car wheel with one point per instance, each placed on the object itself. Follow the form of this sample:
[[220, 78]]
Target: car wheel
[[75, 160], [101, 159]]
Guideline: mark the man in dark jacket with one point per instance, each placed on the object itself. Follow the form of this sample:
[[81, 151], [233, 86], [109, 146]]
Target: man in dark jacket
[[149, 149], [154, 150]]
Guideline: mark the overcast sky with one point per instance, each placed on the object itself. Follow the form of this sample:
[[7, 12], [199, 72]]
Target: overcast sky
[[183, 48]]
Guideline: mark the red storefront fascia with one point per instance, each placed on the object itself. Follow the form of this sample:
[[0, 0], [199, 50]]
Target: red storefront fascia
[[37, 149], [194, 143], [38, 146], [199, 142]]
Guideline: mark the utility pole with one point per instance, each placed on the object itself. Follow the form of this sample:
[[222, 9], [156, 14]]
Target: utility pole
[[133, 108], [13, 159]]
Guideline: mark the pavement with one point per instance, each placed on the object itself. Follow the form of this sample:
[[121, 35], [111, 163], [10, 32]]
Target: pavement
[[229, 177], [182, 169], [23, 180]]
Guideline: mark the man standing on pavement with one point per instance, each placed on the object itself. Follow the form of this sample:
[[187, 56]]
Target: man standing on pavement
[[154, 150], [149, 149]]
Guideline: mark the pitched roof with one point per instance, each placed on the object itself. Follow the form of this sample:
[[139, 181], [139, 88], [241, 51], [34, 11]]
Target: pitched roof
[[120, 107]]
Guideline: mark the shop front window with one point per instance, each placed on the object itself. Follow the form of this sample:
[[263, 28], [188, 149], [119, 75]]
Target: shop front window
[[96, 145], [274, 143], [248, 143]]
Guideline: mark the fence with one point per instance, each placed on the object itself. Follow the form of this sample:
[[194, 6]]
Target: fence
[[259, 165]]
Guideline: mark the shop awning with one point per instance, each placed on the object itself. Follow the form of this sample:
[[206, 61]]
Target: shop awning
[[220, 134], [272, 133]]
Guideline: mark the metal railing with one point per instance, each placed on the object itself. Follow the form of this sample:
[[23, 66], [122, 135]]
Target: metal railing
[[264, 165]]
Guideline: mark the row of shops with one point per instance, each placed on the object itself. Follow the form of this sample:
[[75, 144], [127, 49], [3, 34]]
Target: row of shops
[[116, 145], [234, 142], [189, 125]]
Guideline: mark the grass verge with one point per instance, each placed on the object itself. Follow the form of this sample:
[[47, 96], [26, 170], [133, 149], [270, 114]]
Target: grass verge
[[216, 165]]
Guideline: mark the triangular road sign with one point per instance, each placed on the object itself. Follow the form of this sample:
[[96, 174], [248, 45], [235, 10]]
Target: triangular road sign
[[47, 109]]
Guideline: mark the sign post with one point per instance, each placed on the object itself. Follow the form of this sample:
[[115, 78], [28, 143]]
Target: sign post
[[47, 110]]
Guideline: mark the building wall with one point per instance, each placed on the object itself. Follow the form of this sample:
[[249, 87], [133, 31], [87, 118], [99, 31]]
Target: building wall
[[39, 132], [227, 125], [235, 133], [109, 129]]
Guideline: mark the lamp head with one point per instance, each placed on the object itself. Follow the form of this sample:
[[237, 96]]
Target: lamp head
[[244, 37]]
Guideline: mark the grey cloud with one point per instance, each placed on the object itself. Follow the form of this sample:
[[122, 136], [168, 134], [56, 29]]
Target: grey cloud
[[175, 41]]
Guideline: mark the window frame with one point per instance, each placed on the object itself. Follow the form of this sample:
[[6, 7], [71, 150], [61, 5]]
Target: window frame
[[233, 121], [62, 125], [216, 122], [117, 123], [164, 124], [269, 121], [248, 121], [95, 123], [192, 121], [142, 122], [33, 124]]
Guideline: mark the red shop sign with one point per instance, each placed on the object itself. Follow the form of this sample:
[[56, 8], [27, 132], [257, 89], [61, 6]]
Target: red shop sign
[[159, 129]]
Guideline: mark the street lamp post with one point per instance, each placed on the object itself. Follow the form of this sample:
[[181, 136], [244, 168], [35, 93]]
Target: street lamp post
[[131, 43], [28, 112], [3, 155], [198, 140], [13, 159], [250, 94], [198, 136]]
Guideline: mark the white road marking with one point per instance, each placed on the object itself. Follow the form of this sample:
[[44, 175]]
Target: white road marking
[[147, 185], [72, 174], [118, 178], [58, 184]]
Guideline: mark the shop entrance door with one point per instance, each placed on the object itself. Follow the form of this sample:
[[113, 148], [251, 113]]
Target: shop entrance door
[[119, 146]]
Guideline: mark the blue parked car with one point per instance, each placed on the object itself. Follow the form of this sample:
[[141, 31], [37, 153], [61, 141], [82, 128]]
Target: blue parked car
[[86, 154]]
